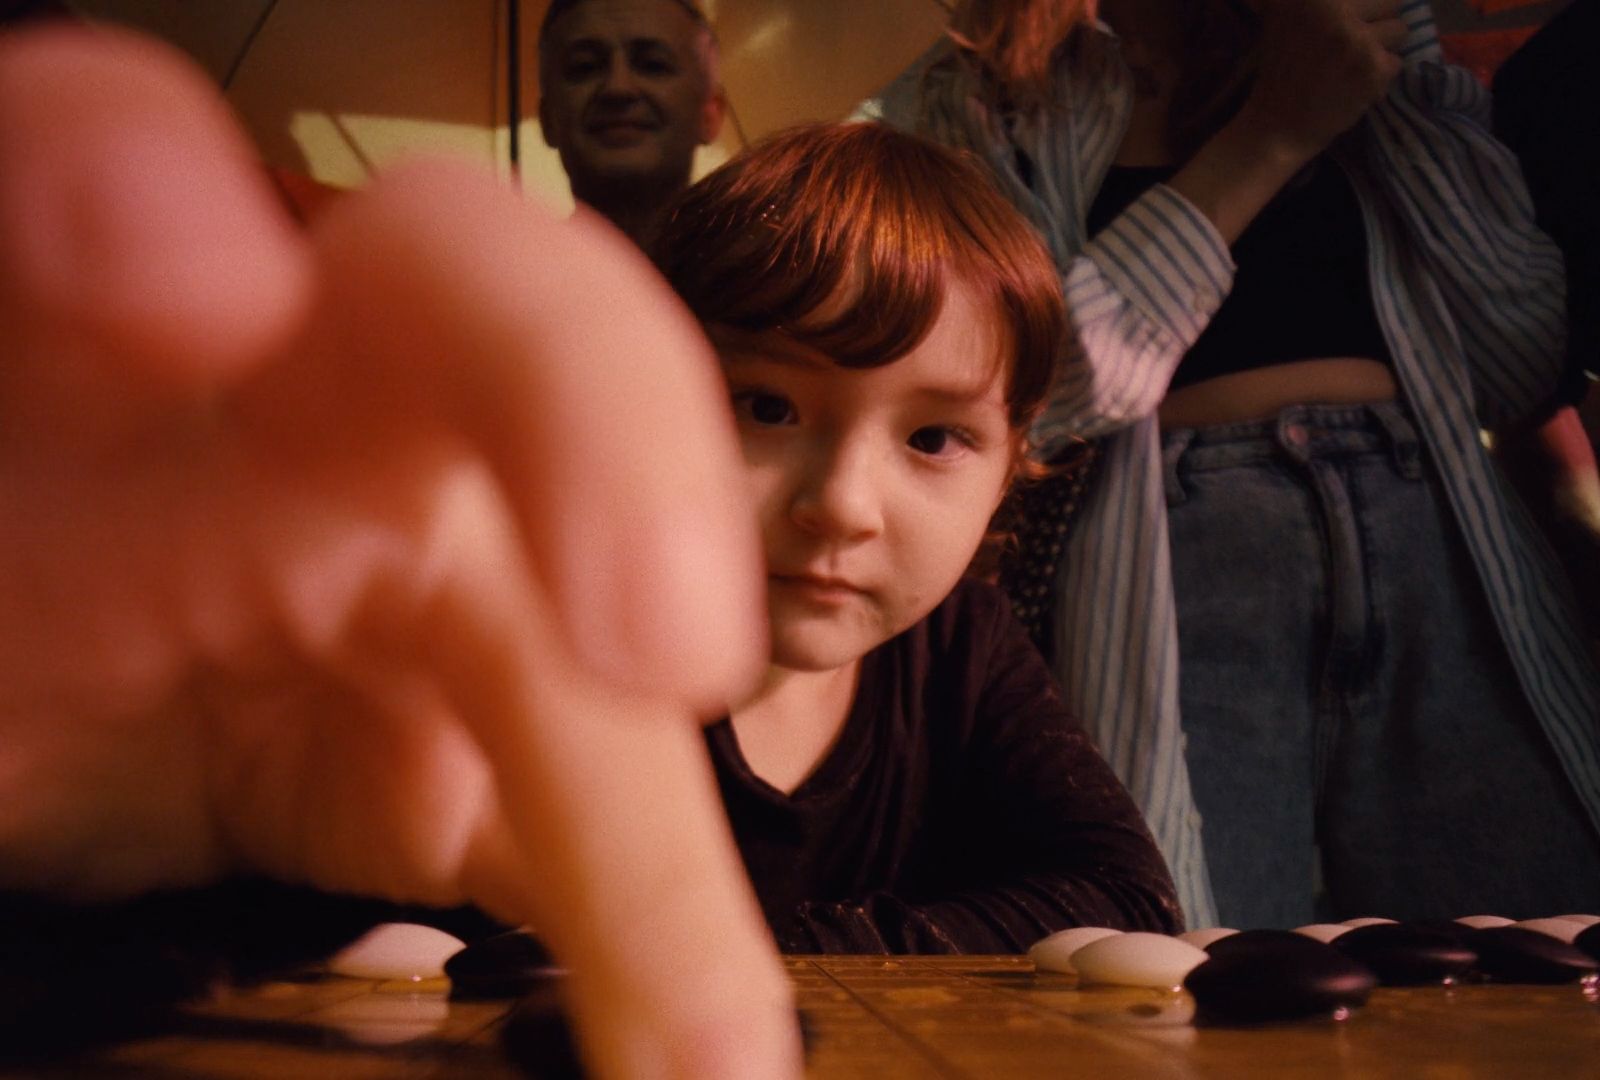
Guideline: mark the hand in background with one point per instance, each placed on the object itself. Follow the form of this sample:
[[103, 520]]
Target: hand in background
[[1323, 64], [1553, 468], [397, 559]]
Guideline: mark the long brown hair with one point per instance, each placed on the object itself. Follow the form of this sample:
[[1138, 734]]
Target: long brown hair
[[1015, 39]]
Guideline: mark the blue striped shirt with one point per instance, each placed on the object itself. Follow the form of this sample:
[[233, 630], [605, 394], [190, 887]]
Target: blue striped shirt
[[1470, 298]]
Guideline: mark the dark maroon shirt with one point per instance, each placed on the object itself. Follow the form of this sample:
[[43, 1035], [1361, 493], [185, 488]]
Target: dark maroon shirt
[[960, 811]]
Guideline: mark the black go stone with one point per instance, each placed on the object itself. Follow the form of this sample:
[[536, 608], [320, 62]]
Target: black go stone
[[1589, 940], [505, 965], [1455, 931], [1259, 975], [1515, 954], [1402, 954]]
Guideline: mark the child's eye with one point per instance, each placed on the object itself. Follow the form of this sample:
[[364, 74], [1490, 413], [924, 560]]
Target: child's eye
[[935, 441], [763, 407]]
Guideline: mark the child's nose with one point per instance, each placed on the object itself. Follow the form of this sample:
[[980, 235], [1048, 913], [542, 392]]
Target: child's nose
[[839, 497]]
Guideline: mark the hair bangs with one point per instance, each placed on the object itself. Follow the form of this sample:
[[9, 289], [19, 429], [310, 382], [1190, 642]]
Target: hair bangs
[[816, 234], [845, 237]]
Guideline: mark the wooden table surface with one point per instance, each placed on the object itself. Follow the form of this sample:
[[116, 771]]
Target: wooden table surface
[[880, 1018]]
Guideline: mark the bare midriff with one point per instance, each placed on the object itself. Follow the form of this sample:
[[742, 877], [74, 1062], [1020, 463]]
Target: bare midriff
[[1262, 392]]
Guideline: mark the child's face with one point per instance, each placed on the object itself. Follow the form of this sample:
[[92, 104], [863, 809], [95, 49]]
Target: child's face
[[874, 486]]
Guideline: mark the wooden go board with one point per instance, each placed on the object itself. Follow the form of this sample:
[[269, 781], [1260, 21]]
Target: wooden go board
[[878, 1018]]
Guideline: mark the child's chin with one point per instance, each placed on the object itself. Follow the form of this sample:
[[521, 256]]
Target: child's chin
[[797, 653]]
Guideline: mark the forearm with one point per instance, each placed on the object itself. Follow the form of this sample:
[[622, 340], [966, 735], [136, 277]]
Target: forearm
[[1137, 297], [1238, 171]]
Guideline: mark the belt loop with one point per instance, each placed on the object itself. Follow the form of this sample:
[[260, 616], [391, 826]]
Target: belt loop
[[1293, 433], [1174, 444], [1405, 448]]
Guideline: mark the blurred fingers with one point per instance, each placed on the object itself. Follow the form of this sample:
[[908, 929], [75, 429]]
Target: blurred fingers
[[585, 580], [613, 840], [560, 354], [136, 233]]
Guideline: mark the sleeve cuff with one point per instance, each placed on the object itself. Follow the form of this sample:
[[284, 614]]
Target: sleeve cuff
[[1168, 259]]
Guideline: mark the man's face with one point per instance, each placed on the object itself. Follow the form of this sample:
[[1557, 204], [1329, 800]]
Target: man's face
[[626, 94]]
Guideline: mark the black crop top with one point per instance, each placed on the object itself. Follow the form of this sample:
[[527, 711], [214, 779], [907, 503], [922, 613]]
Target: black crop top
[[1301, 289]]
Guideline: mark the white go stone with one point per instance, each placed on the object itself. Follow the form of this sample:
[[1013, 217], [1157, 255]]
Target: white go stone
[[1138, 959], [1560, 929], [1481, 922], [1367, 920], [1054, 953], [397, 951], [1324, 931], [1201, 938]]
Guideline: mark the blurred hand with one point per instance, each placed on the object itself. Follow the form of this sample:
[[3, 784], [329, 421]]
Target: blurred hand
[[1552, 466], [399, 559], [1323, 64]]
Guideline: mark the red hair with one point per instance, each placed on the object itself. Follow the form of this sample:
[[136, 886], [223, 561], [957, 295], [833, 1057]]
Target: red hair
[[867, 224], [1016, 39]]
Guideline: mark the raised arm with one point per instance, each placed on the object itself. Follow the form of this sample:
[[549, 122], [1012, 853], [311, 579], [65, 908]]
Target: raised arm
[[1144, 288]]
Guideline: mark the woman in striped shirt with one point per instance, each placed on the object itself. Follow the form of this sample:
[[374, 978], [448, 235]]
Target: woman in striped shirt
[[1299, 603]]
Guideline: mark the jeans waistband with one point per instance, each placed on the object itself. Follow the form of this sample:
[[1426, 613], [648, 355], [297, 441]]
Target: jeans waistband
[[1300, 433]]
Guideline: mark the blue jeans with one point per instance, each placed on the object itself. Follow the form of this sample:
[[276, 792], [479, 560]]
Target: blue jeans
[[1344, 692]]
